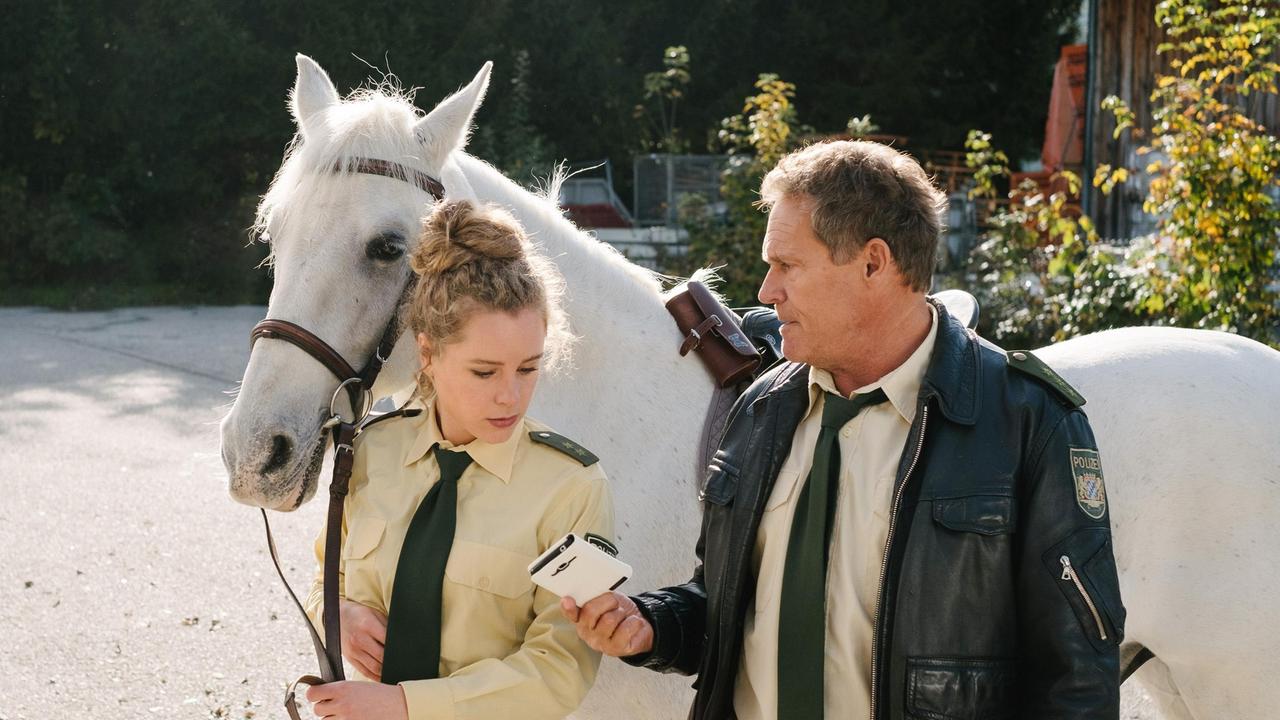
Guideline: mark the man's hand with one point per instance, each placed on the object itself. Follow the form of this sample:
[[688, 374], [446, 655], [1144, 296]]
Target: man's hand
[[358, 700], [610, 623], [364, 632]]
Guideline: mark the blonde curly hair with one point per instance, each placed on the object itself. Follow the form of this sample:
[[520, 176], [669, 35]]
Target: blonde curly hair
[[477, 257]]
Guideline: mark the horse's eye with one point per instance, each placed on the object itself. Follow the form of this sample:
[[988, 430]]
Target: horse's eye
[[385, 248]]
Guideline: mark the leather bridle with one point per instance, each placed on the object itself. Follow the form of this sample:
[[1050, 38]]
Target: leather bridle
[[342, 433]]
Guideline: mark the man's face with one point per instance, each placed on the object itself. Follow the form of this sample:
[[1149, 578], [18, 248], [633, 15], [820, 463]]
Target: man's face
[[818, 302]]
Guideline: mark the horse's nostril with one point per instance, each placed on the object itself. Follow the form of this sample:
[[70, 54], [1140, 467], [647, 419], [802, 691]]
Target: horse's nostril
[[281, 450]]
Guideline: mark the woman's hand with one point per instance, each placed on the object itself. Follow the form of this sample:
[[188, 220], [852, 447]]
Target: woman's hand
[[610, 623], [364, 632], [358, 700]]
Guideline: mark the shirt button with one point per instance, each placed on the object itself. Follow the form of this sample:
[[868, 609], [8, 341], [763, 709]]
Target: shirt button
[[484, 583], [846, 432]]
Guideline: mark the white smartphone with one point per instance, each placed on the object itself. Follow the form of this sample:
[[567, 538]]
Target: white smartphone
[[579, 568]]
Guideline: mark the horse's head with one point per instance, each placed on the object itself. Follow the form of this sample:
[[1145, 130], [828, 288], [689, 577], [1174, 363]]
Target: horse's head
[[340, 239]]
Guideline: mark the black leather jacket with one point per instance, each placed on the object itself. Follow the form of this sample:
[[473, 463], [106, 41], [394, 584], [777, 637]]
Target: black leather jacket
[[980, 615]]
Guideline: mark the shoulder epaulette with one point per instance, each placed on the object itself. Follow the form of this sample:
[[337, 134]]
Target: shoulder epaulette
[[564, 445], [375, 418], [1025, 361]]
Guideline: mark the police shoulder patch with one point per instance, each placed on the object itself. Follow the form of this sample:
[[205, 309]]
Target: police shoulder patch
[[564, 445], [1026, 362], [601, 543], [1091, 493]]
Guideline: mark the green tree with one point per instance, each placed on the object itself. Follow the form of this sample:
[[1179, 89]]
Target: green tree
[[665, 89], [513, 142], [136, 137]]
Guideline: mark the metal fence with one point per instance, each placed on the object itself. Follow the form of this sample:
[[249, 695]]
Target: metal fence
[[661, 180]]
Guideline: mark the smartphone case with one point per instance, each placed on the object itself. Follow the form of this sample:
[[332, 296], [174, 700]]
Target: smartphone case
[[576, 568]]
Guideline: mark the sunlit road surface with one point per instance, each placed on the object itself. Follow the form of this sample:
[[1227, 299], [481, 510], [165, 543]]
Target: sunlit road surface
[[131, 585]]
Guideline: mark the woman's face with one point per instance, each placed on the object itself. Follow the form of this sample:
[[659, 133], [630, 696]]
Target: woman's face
[[484, 378]]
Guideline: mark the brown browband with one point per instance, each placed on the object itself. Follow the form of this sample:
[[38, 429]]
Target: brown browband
[[395, 171]]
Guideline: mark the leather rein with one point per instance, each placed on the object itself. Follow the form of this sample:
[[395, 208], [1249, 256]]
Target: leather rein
[[342, 433]]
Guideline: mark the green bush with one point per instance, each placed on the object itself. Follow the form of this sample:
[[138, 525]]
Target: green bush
[[1042, 274], [1214, 185]]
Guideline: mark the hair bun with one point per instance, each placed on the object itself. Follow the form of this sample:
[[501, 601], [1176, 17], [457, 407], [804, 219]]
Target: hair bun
[[458, 233]]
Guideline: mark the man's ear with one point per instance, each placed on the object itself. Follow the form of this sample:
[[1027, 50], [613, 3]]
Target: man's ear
[[876, 259]]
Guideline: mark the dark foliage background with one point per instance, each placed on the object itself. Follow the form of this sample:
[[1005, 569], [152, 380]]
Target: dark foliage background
[[135, 137]]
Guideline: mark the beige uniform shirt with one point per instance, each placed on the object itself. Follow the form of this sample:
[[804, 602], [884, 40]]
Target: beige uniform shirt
[[871, 445], [505, 648]]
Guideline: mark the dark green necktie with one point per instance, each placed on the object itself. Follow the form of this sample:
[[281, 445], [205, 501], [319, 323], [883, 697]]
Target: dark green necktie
[[412, 651], [802, 627]]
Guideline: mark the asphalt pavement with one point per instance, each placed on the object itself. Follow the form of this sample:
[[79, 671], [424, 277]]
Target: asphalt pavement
[[131, 585]]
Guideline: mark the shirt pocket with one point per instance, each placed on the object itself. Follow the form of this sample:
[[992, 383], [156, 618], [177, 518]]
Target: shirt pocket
[[488, 603], [946, 688], [784, 488], [488, 569], [363, 535], [362, 581], [776, 523]]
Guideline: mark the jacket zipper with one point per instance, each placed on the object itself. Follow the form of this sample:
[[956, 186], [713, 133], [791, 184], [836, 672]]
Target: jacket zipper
[[1069, 573], [884, 563]]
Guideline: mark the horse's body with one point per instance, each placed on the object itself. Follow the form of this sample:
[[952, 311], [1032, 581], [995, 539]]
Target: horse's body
[[1186, 420]]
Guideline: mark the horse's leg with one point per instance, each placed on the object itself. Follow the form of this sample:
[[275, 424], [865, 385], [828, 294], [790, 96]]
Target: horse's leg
[[1156, 678]]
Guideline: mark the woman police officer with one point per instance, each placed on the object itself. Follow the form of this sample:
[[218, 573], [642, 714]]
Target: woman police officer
[[449, 505]]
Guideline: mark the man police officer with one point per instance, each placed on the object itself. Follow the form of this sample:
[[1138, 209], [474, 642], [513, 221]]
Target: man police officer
[[902, 520]]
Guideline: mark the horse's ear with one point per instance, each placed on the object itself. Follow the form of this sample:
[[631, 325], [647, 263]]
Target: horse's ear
[[313, 92], [445, 128]]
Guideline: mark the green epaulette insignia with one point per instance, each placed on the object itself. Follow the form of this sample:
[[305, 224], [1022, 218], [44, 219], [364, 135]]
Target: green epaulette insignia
[[1025, 361], [564, 445]]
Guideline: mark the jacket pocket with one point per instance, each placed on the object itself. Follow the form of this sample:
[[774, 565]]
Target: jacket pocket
[[489, 569], [1084, 569], [721, 484], [982, 514], [947, 688], [363, 535]]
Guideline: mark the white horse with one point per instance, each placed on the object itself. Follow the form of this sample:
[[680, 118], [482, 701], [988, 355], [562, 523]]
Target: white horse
[[1186, 420]]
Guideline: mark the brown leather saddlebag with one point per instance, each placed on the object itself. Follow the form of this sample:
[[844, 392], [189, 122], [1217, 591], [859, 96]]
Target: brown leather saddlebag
[[712, 331]]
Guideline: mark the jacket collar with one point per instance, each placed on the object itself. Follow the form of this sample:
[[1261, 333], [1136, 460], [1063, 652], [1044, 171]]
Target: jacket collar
[[954, 373], [953, 376]]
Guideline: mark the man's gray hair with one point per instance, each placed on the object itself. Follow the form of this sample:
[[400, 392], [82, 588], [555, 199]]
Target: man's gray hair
[[862, 190]]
